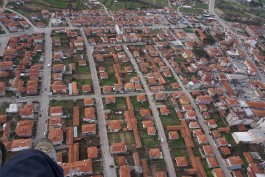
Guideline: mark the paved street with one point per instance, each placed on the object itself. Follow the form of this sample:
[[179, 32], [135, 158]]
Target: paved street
[[3, 44], [45, 87], [108, 159], [4, 28], [158, 123], [68, 21]]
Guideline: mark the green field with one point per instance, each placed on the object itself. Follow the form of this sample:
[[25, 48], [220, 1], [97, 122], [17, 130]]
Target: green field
[[125, 4], [38, 5], [59, 3], [197, 9], [191, 10], [238, 12]]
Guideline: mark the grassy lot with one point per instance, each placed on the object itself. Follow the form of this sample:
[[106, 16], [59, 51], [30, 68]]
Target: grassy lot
[[59, 3], [191, 10], [201, 5], [82, 82], [230, 139], [179, 143], [36, 58], [127, 138], [66, 104], [207, 170], [110, 81], [114, 138], [119, 105], [196, 152], [82, 69], [171, 119], [179, 60], [220, 121], [126, 4], [150, 142], [160, 165], [170, 79], [143, 153], [178, 152], [137, 105], [68, 122]]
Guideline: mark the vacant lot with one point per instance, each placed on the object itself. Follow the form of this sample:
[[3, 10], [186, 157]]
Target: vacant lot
[[125, 137]]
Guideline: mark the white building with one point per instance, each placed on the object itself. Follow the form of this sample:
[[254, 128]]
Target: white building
[[251, 136], [118, 29]]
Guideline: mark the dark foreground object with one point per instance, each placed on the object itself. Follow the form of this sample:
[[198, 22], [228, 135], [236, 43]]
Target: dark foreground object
[[31, 163]]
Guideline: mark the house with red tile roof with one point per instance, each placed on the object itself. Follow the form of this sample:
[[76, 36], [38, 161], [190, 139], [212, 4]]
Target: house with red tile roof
[[234, 163], [2, 88], [155, 153], [151, 130], [56, 111], [106, 89], [121, 160], [89, 101], [86, 88], [202, 139], [24, 130], [21, 144], [194, 125], [181, 161], [114, 125], [212, 162], [204, 99], [161, 174], [145, 112], [92, 152], [26, 111], [89, 129], [221, 142], [117, 148], [124, 171], [79, 167], [75, 90], [59, 87], [3, 119], [164, 110], [148, 123], [141, 98], [32, 87], [160, 96], [173, 135], [55, 121], [56, 136], [225, 150], [90, 115], [76, 118], [207, 150], [218, 172], [211, 123], [110, 100], [190, 115]]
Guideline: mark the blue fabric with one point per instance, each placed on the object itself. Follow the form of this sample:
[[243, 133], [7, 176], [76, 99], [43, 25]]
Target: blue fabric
[[31, 163]]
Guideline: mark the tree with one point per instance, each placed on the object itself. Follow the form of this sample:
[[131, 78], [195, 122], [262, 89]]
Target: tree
[[199, 52], [209, 40]]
